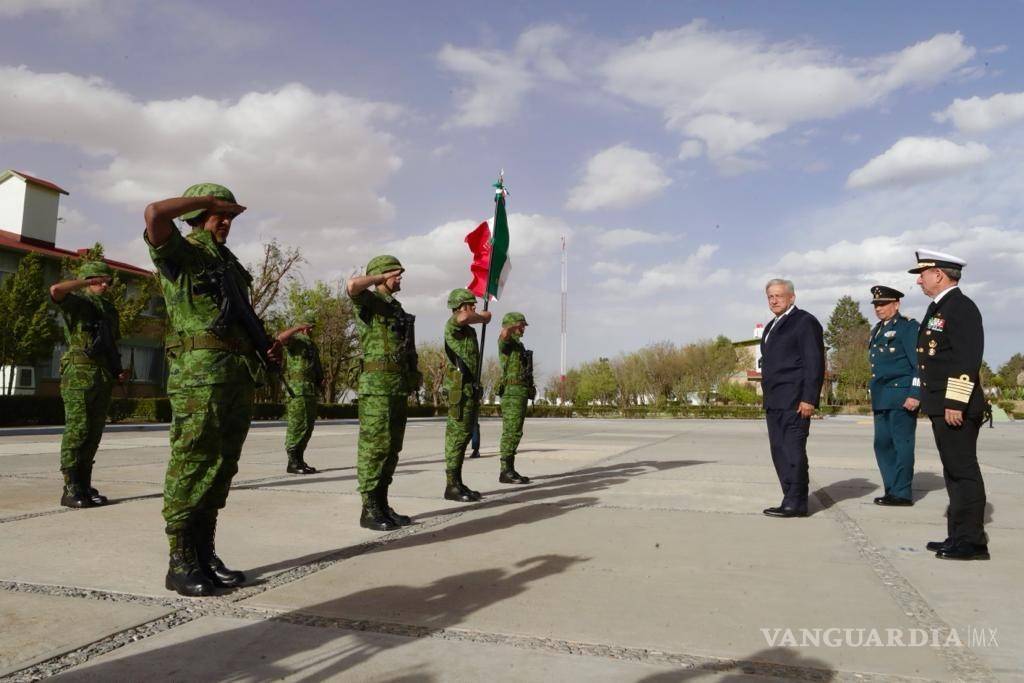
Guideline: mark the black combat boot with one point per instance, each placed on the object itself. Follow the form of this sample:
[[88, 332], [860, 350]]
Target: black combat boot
[[454, 489], [382, 497], [86, 478], [183, 574], [508, 472], [74, 495], [297, 465], [206, 555], [474, 495], [374, 516]]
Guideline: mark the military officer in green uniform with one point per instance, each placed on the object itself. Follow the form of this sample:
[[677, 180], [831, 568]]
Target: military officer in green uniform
[[462, 387], [87, 373], [303, 375], [217, 349], [516, 389], [389, 372], [895, 394]]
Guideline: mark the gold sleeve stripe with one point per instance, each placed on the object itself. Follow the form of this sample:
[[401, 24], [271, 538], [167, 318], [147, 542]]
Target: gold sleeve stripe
[[959, 389]]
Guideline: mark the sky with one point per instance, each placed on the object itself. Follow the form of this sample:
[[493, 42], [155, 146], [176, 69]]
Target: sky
[[687, 151]]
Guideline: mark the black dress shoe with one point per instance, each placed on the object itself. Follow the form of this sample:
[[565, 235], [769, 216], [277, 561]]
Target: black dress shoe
[[963, 551], [893, 501], [936, 546], [785, 512]]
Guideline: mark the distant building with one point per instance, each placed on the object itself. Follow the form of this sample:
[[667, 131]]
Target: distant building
[[28, 224]]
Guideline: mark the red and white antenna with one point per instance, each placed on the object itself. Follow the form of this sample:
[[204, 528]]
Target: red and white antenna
[[565, 294]]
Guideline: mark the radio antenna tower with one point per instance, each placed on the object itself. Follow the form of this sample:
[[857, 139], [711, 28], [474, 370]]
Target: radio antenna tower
[[565, 292]]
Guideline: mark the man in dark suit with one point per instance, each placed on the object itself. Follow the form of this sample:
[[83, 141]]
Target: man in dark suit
[[949, 353], [792, 372]]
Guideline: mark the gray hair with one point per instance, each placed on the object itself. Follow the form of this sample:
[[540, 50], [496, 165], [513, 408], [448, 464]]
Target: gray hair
[[952, 273], [788, 284]]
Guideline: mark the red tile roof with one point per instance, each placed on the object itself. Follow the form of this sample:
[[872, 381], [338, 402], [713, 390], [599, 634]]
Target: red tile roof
[[36, 181], [11, 240]]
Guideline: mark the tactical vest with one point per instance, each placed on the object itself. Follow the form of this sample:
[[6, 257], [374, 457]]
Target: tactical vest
[[91, 333], [462, 342], [516, 365]]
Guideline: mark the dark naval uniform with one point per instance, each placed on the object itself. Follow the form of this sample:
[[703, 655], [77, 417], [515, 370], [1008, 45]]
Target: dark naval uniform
[[894, 379], [949, 350]]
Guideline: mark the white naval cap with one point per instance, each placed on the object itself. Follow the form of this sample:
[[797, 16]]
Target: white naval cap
[[926, 258]]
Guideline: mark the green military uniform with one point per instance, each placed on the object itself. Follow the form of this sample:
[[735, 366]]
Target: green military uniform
[[388, 374], [303, 373], [214, 372], [515, 389], [893, 357], [463, 391], [87, 373]]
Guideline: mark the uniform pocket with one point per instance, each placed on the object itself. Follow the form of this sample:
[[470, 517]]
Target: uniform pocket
[[191, 414]]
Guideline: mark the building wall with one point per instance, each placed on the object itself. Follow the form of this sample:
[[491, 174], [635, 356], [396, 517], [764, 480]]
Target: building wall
[[40, 219], [12, 204]]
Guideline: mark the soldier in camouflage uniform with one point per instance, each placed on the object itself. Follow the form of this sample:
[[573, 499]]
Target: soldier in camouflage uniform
[[87, 373], [462, 387], [515, 389], [303, 374], [389, 372], [214, 371]]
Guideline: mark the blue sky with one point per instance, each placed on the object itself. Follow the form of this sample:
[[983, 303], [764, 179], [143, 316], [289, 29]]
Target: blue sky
[[689, 151]]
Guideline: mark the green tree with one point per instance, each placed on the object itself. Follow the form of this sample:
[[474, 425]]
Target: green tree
[[334, 332], [845, 319], [846, 337], [705, 365], [596, 383], [29, 329], [1011, 369]]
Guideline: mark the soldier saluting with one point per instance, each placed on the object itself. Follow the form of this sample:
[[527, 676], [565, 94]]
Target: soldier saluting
[[216, 346], [87, 373], [949, 352], [303, 374], [895, 394], [389, 372]]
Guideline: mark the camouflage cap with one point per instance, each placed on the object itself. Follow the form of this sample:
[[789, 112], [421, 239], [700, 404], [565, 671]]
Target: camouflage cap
[[513, 318], [460, 296], [384, 263], [94, 269], [205, 190]]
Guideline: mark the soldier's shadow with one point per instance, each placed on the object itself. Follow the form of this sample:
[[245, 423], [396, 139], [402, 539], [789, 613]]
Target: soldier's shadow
[[925, 483], [846, 489], [784, 662], [327, 639]]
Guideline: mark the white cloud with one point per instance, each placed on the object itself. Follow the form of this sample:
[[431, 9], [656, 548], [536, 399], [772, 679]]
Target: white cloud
[[733, 89], [497, 81], [913, 160], [693, 272], [618, 177], [306, 184], [628, 237], [15, 8], [611, 268], [979, 115], [690, 149]]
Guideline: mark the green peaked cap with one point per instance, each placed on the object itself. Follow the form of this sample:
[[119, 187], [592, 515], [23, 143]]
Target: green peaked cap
[[94, 269], [513, 318], [460, 296], [205, 190], [384, 263]]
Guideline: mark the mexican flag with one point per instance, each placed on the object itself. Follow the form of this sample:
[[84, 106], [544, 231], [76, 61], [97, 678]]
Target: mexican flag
[[491, 264]]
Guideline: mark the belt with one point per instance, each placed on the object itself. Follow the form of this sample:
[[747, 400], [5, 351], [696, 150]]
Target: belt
[[80, 357], [381, 366], [208, 340]]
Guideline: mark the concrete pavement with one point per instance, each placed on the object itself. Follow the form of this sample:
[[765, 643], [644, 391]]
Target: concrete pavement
[[638, 553]]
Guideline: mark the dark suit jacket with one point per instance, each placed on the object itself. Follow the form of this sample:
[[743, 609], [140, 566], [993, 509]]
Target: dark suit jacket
[[949, 350], [792, 361]]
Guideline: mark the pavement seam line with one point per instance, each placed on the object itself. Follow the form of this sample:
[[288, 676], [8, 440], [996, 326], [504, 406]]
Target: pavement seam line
[[961, 662]]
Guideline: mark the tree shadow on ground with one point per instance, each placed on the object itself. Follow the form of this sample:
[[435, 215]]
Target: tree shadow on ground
[[325, 640], [783, 662], [838, 491]]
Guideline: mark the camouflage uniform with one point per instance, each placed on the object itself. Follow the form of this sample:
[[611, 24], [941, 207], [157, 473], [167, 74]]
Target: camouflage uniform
[[462, 390], [303, 373], [388, 373], [515, 389], [214, 372], [87, 373]]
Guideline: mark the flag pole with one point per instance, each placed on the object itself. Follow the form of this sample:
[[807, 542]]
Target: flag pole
[[499, 196]]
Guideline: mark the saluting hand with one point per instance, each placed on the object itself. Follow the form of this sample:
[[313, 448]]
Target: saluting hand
[[225, 208]]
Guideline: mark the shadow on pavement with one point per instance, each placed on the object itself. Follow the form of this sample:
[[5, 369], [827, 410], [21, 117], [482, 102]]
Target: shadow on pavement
[[284, 645], [838, 491], [783, 662]]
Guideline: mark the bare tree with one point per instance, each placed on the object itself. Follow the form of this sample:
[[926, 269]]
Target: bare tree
[[433, 366], [273, 274]]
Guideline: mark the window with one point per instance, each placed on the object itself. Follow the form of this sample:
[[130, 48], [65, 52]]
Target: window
[[146, 362], [25, 378]]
